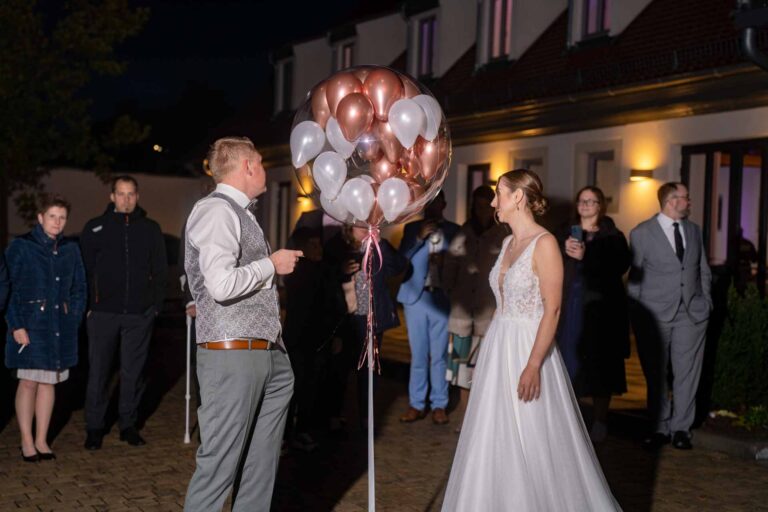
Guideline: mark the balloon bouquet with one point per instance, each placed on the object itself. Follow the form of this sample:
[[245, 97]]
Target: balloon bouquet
[[371, 146]]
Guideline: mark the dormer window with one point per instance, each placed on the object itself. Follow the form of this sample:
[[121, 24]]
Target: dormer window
[[343, 55], [284, 85], [595, 17], [426, 56], [500, 45]]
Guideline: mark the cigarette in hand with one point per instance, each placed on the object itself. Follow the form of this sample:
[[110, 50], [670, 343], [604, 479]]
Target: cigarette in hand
[[22, 348]]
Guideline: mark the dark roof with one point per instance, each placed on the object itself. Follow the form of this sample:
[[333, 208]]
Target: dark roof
[[666, 39]]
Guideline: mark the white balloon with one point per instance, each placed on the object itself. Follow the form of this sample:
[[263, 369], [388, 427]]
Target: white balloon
[[334, 208], [357, 197], [393, 197], [329, 171], [307, 140], [367, 178], [337, 140], [407, 120], [434, 115]]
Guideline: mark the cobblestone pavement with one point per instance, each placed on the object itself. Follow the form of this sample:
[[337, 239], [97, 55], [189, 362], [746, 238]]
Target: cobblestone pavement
[[412, 461]]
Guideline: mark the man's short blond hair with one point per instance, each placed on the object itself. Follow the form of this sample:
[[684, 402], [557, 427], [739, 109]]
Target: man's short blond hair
[[225, 154]]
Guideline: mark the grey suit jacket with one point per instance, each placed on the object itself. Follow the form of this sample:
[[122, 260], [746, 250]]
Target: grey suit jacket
[[658, 280]]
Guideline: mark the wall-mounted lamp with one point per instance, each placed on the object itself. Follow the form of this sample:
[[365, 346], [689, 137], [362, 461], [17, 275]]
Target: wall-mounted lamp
[[640, 174]]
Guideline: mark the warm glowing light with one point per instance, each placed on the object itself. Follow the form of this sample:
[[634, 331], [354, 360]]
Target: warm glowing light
[[158, 148], [640, 174]]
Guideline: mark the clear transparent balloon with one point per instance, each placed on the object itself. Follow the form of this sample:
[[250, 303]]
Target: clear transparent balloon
[[370, 146]]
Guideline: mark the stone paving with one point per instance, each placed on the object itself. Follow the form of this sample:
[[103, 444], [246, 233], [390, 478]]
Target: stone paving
[[413, 461]]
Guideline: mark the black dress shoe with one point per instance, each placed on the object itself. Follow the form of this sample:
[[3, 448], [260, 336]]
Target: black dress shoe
[[131, 436], [655, 441], [682, 440], [93, 440], [46, 455], [31, 458]]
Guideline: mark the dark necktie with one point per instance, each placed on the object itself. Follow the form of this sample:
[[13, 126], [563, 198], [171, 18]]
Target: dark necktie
[[679, 249]]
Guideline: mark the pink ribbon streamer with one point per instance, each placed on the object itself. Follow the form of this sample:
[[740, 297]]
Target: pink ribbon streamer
[[371, 241]]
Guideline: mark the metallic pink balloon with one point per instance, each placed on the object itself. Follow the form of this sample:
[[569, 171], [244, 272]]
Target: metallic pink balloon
[[382, 169], [410, 88], [339, 86], [362, 72], [355, 115], [429, 157], [368, 148], [388, 140], [383, 87], [320, 109]]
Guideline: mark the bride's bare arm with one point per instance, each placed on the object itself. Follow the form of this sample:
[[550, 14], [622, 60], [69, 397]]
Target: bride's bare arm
[[548, 266]]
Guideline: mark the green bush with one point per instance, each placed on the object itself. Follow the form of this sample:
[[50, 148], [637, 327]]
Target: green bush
[[741, 367]]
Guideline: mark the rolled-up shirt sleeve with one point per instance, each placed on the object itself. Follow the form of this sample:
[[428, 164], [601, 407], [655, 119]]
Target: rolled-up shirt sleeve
[[214, 229]]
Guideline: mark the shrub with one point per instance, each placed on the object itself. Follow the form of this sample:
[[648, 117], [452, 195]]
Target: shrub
[[741, 367]]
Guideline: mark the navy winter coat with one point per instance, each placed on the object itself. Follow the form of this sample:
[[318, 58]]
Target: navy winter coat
[[48, 297]]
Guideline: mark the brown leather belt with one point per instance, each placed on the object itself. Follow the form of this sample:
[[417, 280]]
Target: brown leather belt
[[239, 344]]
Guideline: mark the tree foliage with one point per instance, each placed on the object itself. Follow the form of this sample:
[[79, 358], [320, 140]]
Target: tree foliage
[[48, 57]]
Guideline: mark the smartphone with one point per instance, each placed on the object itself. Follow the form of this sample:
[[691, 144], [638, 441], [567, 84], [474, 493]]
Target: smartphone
[[577, 232]]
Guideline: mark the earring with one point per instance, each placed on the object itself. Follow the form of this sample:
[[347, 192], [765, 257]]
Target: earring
[[496, 217]]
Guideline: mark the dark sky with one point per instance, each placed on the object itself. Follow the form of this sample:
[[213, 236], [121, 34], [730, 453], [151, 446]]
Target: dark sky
[[224, 44]]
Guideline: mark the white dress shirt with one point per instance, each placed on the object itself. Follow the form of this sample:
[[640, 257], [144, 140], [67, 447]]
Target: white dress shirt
[[213, 229], [667, 227]]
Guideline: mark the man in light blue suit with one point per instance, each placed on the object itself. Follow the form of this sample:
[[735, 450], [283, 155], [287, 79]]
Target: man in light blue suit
[[426, 304]]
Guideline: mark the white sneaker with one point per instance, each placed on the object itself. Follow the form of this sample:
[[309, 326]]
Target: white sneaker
[[599, 432]]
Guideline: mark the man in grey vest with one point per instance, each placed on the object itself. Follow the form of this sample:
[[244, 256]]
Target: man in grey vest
[[245, 377], [669, 283]]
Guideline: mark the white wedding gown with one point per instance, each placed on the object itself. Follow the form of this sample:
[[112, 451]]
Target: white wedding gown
[[517, 456]]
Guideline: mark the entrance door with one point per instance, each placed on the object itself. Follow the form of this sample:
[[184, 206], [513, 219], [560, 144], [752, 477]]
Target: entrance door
[[728, 184]]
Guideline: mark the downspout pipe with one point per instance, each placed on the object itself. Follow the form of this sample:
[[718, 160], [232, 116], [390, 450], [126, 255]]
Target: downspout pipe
[[748, 20]]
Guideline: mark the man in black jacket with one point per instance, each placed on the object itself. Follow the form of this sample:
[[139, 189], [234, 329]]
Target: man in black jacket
[[124, 255]]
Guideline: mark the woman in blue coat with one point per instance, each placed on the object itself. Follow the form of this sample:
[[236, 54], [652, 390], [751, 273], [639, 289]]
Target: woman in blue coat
[[45, 308]]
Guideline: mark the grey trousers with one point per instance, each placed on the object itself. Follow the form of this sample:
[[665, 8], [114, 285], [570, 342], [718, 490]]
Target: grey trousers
[[245, 397], [677, 346], [105, 332]]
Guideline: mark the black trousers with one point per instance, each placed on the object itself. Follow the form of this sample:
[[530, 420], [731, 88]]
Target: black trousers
[[105, 332]]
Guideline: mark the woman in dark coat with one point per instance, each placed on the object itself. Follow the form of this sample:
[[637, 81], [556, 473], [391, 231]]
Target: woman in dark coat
[[594, 325], [45, 308]]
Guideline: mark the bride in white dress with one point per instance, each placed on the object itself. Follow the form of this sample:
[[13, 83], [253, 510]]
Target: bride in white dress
[[523, 444]]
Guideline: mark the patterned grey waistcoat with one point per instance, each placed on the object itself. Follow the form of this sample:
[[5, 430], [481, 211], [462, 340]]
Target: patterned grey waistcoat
[[256, 315]]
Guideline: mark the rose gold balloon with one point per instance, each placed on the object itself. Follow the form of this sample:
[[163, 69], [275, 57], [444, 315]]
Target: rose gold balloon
[[362, 73], [388, 140], [355, 115], [410, 165], [429, 157], [410, 88], [368, 147], [382, 169], [320, 109], [384, 88], [339, 86]]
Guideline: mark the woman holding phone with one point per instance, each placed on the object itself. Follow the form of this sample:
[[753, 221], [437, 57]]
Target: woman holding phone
[[594, 326]]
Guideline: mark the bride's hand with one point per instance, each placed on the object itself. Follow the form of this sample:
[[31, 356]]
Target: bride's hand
[[529, 387]]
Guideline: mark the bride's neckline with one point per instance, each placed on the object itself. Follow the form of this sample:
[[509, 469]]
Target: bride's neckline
[[533, 237]]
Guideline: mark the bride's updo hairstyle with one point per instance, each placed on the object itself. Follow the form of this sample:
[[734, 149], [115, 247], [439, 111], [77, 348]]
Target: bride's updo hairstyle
[[530, 183]]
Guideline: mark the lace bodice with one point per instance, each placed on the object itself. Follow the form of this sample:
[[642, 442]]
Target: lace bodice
[[521, 295]]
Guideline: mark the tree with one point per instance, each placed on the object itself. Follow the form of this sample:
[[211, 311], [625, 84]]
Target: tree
[[47, 59]]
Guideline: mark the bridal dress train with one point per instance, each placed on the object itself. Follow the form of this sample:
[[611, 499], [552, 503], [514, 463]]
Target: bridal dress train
[[513, 455]]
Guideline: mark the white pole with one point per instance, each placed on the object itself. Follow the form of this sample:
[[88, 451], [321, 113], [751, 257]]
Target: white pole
[[187, 396]]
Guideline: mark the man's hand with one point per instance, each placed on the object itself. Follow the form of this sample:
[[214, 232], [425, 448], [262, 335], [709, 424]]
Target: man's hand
[[191, 311], [350, 267], [285, 260], [427, 228]]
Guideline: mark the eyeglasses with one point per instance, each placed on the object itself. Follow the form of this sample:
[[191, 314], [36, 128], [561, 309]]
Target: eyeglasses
[[687, 198], [588, 202]]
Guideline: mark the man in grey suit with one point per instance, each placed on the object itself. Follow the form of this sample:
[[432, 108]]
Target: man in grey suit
[[669, 283], [245, 377]]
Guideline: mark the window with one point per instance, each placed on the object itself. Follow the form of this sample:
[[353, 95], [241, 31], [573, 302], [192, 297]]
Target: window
[[602, 173], [426, 47], [500, 29], [343, 55], [595, 17], [477, 175], [284, 86]]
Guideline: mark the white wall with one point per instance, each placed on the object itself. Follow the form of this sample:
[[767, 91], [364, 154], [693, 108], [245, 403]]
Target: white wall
[[311, 64], [168, 200], [457, 29], [653, 145], [620, 14], [381, 40]]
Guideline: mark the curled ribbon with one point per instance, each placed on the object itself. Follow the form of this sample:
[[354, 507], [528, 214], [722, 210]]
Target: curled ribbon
[[371, 243]]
